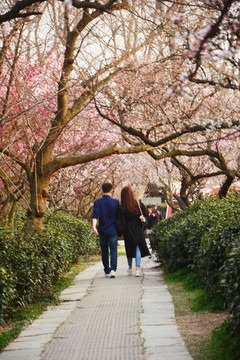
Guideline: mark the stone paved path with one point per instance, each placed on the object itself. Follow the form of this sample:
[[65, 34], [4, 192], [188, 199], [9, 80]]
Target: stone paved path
[[126, 318]]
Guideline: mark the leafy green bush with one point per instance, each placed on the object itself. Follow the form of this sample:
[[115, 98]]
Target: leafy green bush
[[163, 209], [30, 267], [7, 278], [78, 233], [160, 232], [223, 217], [205, 237], [168, 239], [7, 290], [222, 346], [230, 282]]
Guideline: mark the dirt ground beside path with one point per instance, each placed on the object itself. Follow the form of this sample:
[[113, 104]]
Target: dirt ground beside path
[[196, 328]]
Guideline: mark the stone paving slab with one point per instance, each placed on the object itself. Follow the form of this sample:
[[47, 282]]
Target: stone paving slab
[[126, 318], [159, 331], [106, 323], [32, 340]]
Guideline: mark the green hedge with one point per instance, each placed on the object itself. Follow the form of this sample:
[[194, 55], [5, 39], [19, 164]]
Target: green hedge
[[169, 240], [78, 232], [30, 267], [205, 237], [230, 283], [163, 209]]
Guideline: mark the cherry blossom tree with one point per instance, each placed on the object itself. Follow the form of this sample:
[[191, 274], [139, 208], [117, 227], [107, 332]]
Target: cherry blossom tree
[[210, 114], [74, 189], [151, 85], [48, 96]]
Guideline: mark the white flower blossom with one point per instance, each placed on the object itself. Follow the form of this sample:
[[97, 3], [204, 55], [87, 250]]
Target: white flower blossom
[[183, 76], [169, 91], [206, 57], [68, 2], [178, 19], [203, 32], [224, 54], [186, 90]]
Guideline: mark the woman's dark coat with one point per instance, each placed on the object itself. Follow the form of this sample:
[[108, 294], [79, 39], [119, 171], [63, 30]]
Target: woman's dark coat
[[130, 226]]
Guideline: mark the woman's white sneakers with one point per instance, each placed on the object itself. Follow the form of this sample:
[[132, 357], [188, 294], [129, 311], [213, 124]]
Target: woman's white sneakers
[[138, 273], [129, 271]]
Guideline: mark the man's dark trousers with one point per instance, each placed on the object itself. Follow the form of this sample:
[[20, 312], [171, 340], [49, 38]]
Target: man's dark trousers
[[107, 242]]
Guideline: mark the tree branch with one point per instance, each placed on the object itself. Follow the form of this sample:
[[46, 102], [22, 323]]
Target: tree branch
[[15, 158], [59, 163], [19, 6], [214, 30]]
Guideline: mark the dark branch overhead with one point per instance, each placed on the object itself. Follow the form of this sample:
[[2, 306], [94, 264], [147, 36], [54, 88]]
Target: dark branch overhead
[[22, 8]]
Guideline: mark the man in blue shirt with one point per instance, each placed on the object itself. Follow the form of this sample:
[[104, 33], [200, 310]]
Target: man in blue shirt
[[105, 210]]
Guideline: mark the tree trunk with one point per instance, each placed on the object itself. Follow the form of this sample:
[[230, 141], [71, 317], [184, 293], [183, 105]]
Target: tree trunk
[[38, 202], [180, 201], [12, 212], [225, 186], [182, 198]]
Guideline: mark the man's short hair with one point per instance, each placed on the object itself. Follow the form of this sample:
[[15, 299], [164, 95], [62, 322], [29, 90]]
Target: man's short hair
[[106, 187]]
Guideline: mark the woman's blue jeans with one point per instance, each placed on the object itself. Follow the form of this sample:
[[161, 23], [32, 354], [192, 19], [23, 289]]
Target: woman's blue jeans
[[137, 258], [107, 242]]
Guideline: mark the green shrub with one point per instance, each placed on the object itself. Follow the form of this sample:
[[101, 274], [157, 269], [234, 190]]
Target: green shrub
[[78, 233], [168, 239], [223, 217], [29, 267], [205, 237], [160, 232], [7, 290], [222, 346], [7, 278], [230, 283], [163, 209]]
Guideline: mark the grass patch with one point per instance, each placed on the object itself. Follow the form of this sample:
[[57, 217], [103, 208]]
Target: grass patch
[[121, 250], [222, 346], [200, 319], [19, 317], [198, 299], [10, 335], [185, 291], [205, 302]]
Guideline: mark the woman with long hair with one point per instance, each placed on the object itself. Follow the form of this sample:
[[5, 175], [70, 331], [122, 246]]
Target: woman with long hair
[[130, 226]]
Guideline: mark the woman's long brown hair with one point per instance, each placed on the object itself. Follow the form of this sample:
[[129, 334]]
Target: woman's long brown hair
[[128, 201]]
